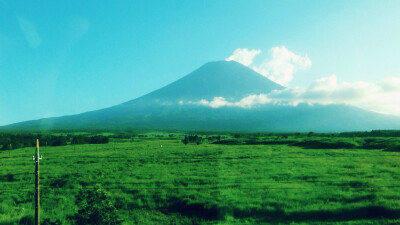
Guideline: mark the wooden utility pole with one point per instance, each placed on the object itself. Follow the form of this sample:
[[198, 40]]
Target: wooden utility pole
[[36, 157]]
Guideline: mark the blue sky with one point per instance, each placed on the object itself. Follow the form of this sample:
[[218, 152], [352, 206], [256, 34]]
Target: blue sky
[[59, 58]]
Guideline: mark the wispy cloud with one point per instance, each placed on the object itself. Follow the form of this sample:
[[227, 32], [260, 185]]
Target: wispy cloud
[[244, 56], [30, 33]]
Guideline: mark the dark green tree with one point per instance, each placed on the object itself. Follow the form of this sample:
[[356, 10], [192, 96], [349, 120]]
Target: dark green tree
[[185, 140]]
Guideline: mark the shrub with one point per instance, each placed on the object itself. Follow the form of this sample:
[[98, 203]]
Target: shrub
[[393, 149], [47, 221], [192, 139], [8, 177], [95, 207], [379, 143], [99, 139], [326, 144], [59, 141], [27, 220], [228, 142]]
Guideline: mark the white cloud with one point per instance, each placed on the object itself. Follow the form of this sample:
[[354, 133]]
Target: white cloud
[[251, 100], [30, 32], [246, 102], [283, 65], [325, 83], [216, 102], [390, 84], [280, 68], [244, 56], [382, 97]]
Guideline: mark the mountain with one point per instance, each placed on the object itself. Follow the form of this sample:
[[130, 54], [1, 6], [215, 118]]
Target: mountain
[[175, 107], [228, 79]]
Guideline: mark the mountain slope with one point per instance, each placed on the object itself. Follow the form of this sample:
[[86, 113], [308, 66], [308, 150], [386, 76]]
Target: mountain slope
[[230, 79], [271, 118], [163, 109]]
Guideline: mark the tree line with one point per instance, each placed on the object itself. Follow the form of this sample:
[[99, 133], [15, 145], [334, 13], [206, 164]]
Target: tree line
[[199, 139], [10, 141]]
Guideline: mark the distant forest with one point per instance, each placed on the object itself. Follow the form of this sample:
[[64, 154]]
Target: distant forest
[[10, 141]]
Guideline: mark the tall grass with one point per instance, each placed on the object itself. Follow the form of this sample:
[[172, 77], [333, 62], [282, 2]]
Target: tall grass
[[159, 180]]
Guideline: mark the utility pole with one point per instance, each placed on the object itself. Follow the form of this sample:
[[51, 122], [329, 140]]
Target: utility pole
[[36, 157]]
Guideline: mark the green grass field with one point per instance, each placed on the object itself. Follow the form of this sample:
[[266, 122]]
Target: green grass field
[[155, 180]]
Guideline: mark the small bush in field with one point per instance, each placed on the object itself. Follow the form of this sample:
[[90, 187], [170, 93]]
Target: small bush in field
[[95, 207]]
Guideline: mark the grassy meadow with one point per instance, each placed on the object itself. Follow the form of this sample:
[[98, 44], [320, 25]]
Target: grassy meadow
[[156, 179]]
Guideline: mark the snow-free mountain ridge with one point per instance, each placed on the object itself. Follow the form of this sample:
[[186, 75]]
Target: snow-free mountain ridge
[[230, 80]]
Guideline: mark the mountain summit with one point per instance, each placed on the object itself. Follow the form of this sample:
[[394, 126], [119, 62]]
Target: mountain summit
[[176, 107], [230, 80]]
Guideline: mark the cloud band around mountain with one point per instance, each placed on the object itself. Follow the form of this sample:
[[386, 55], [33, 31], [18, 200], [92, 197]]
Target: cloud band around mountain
[[382, 97]]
